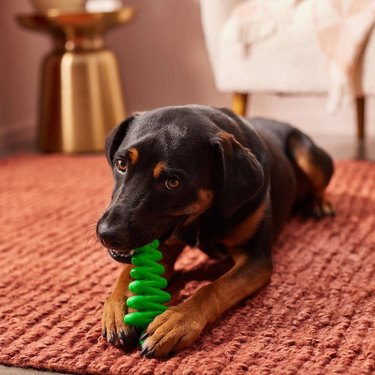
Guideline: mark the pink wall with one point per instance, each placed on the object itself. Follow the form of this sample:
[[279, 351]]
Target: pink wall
[[162, 57], [20, 53]]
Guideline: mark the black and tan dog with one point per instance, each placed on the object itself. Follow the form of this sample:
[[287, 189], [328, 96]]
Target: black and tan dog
[[198, 176]]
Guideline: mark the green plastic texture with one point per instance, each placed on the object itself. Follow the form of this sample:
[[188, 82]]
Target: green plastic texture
[[149, 299]]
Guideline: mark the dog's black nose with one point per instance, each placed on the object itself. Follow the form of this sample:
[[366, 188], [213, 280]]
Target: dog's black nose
[[109, 236]]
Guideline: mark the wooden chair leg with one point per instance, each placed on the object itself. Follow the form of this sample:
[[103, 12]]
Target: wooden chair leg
[[239, 103], [361, 117]]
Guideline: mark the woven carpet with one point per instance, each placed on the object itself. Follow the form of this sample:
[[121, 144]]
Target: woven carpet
[[316, 317]]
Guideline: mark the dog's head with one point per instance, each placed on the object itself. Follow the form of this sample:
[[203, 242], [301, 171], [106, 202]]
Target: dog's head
[[170, 166]]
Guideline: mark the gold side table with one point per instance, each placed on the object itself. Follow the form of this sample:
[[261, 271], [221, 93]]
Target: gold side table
[[81, 95]]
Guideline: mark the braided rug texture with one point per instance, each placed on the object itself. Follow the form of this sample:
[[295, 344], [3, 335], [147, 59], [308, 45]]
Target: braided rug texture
[[316, 317]]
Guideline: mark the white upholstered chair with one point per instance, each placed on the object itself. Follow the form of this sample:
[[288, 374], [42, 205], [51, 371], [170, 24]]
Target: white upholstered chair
[[290, 62]]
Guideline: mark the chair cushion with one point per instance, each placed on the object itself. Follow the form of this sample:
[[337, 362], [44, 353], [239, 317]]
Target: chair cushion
[[288, 61]]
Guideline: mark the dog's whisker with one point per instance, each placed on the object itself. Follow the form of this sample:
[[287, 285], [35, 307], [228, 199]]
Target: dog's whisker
[[91, 236]]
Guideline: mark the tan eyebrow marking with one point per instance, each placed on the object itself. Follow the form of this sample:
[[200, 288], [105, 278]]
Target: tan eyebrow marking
[[159, 167], [133, 155]]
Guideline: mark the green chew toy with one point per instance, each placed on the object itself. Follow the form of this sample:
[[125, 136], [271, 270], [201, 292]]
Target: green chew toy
[[149, 299]]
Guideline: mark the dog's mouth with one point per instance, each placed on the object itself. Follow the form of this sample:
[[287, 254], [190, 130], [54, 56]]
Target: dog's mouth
[[120, 256], [124, 256]]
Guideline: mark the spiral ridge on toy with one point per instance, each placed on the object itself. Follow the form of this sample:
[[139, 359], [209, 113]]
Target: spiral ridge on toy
[[149, 299]]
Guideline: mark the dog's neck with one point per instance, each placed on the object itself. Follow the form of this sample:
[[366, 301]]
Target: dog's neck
[[189, 234]]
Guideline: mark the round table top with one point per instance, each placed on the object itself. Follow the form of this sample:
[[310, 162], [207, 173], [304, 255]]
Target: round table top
[[55, 19]]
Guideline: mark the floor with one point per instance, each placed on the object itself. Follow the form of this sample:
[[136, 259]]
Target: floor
[[347, 147], [5, 370]]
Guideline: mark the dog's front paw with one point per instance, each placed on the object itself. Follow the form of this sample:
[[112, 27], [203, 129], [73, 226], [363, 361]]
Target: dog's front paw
[[113, 327], [171, 331]]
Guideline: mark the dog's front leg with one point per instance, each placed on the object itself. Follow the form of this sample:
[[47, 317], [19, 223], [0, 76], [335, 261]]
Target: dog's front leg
[[180, 325], [113, 326]]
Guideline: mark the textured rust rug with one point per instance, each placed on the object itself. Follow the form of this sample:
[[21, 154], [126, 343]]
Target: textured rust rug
[[316, 317]]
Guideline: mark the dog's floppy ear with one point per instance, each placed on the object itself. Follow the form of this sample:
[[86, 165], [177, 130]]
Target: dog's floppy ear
[[115, 137], [242, 175]]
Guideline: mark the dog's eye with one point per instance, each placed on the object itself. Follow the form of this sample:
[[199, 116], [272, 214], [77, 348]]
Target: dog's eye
[[172, 183], [121, 165]]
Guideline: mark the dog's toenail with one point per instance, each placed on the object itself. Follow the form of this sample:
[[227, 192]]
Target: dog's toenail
[[149, 353], [112, 339], [144, 336], [144, 350]]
